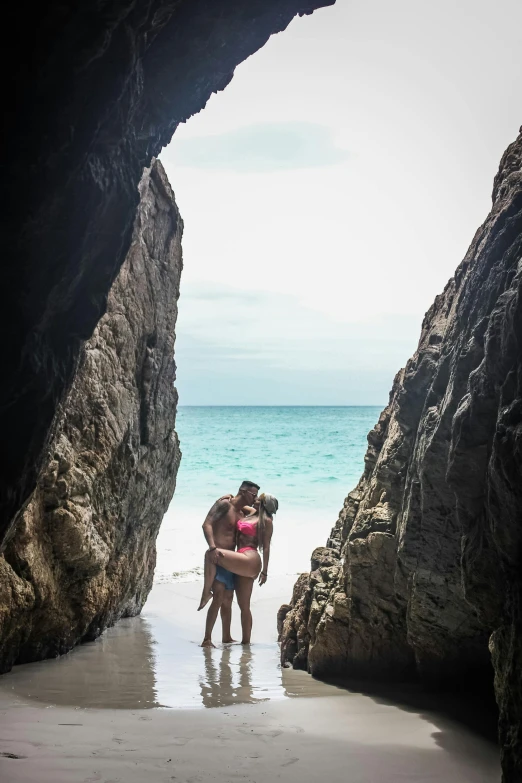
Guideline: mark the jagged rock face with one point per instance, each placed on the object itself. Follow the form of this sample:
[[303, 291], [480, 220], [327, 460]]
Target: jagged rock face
[[95, 90], [428, 545], [82, 552]]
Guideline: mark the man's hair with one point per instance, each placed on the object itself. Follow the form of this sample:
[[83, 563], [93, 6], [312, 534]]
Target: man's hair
[[249, 485]]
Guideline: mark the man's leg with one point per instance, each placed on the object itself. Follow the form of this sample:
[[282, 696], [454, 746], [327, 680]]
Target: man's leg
[[244, 587], [218, 593], [226, 616]]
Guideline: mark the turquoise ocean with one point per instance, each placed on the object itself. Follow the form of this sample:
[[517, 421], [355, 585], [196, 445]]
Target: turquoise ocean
[[308, 457]]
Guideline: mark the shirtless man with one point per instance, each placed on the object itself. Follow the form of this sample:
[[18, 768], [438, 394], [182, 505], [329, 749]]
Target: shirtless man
[[219, 529]]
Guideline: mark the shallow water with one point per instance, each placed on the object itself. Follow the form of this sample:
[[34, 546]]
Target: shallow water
[[134, 667], [155, 661]]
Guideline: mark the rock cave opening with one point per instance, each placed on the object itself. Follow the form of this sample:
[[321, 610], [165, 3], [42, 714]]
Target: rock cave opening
[[421, 572]]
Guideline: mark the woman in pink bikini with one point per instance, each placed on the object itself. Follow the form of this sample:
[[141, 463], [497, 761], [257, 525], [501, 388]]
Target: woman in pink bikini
[[254, 532]]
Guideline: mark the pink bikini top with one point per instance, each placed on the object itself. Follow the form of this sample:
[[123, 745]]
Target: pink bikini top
[[247, 528]]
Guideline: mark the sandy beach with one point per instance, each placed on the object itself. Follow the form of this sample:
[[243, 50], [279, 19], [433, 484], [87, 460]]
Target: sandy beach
[[146, 703]]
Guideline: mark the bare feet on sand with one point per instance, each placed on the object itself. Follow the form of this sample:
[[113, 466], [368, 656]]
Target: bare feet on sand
[[208, 643], [229, 641]]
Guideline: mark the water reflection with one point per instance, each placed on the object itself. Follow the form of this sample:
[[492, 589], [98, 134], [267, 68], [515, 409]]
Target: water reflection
[[229, 678], [141, 665], [215, 678], [115, 671], [155, 661]]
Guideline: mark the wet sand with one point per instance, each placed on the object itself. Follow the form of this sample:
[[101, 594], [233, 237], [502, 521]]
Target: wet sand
[[145, 703]]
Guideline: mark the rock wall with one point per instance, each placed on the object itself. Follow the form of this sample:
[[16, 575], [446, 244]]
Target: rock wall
[[95, 90], [82, 552], [422, 571]]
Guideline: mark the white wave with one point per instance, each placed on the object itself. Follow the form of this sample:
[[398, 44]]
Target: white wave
[[190, 575]]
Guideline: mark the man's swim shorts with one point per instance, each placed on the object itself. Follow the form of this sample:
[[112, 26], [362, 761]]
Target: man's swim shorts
[[227, 577]]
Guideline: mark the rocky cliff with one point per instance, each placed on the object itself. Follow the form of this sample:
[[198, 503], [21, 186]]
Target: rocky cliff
[[82, 552], [422, 572]]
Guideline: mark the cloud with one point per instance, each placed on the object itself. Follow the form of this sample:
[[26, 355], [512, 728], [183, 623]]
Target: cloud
[[259, 148], [213, 292], [269, 348]]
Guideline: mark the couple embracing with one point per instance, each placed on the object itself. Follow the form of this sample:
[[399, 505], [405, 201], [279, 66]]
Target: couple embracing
[[236, 528]]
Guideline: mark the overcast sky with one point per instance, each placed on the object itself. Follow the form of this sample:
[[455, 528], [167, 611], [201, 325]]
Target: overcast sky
[[330, 192]]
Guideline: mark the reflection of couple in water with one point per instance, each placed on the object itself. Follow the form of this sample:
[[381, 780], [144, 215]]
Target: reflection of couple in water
[[220, 688], [235, 529]]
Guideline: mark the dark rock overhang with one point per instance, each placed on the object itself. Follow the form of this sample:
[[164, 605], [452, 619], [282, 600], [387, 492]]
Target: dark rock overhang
[[94, 91]]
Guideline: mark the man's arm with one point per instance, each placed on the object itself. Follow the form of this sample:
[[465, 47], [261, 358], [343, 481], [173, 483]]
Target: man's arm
[[218, 510]]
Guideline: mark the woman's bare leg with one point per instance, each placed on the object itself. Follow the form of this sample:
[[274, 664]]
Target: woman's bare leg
[[209, 576], [240, 563], [244, 587]]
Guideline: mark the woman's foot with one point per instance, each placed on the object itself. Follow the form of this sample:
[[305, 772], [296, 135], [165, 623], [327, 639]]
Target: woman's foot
[[205, 598], [229, 641], [208, 643]]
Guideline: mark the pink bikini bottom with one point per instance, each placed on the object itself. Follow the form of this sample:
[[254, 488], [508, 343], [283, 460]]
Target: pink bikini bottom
[[246, 549]]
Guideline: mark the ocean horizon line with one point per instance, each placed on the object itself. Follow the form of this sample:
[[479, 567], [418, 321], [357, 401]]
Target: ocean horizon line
[[296, 405]]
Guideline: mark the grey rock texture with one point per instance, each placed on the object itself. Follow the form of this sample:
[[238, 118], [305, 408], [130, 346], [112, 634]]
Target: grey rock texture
[[426, 552], [95, 90], [82, 552]]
